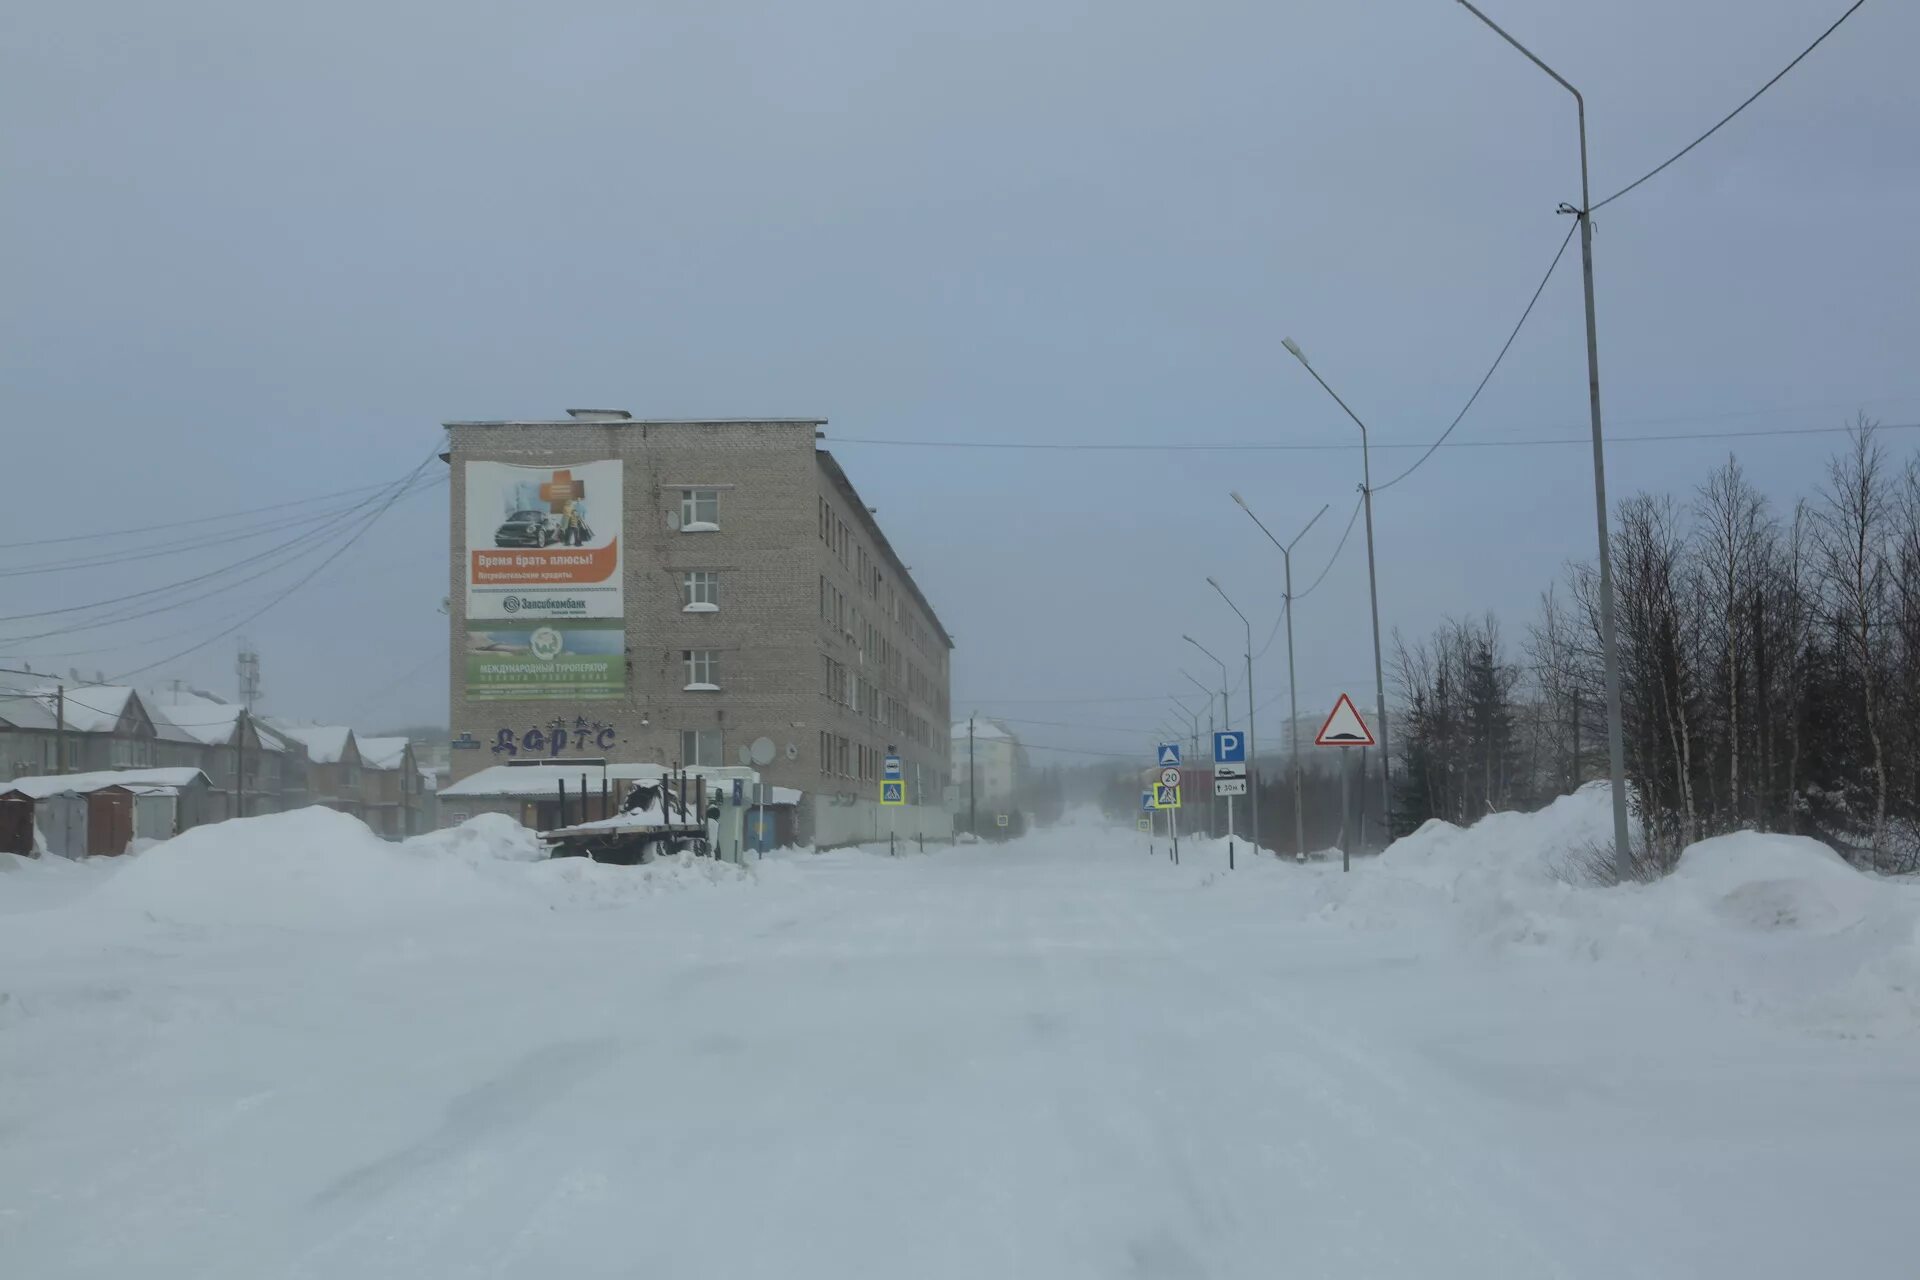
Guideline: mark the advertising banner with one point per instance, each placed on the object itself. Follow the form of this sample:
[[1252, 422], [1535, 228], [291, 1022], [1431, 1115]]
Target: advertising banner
[[546, 609], [543, 543], [567, 660]]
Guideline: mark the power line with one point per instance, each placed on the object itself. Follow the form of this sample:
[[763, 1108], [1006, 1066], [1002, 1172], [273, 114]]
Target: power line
[[357, 534], [1076, 701], [1336, 552], [180, 524], [112, 559], [1504, 348], [1731, 114], [1503, 442], [402, 486]]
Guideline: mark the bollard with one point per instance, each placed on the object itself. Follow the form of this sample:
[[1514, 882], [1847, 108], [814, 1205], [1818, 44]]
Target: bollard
[[1229, 855]]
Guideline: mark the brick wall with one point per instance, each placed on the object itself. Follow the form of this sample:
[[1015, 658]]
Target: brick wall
[[767, 636]]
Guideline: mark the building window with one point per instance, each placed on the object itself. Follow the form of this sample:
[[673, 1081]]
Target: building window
[[700, 748], [699, 591], [699, 510], [703, 671]]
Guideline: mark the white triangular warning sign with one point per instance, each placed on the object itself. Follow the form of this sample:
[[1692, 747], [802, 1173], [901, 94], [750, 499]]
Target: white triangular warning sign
[[1344, 728]]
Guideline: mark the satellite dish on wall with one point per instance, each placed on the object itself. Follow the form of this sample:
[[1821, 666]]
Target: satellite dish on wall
[[763, 750], [744, 755]]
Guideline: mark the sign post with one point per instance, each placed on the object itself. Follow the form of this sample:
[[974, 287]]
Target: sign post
[[1229, 775], [1344, 728]]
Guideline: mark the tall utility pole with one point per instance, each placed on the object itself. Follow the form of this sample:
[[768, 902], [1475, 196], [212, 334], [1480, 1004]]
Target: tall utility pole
[[1609, 650], [1293, 697], [60, 728], [973, 784], [240, 765], [1208, 694], [1373, 590], [1226, 713], [1253, 753]]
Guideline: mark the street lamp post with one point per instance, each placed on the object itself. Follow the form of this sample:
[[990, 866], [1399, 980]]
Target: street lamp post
[[1208, 695], [1609, 650], [1373, 587], [1253, 750], [1293, 700], [1226, 712]]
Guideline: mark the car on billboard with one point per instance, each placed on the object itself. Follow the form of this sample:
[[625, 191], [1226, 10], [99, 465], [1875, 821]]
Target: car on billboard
[[524, 529]]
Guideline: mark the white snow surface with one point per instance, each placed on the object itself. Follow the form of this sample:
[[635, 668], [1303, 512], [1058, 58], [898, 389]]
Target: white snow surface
[[282, 1047]]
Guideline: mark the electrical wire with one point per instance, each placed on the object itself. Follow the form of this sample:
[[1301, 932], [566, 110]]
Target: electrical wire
[[399, 487], [357, 534], [112, 559], [1504, 348], [1731, 114], [1341, 546], [1503, 442], [180, 524]]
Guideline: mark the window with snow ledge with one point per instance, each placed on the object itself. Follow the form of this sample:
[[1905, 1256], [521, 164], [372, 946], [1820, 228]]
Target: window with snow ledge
[[700, 688], [703, 674], [699, 510], [699, 591]]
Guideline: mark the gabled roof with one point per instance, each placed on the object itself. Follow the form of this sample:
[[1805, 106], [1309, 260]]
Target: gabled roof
[[187, 715], [88, 708], [25, 711], [139, 781], [325, 743], [382, 753]]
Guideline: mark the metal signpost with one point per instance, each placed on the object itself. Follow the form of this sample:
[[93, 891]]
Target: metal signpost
[[1229, 775], [1344, 728]]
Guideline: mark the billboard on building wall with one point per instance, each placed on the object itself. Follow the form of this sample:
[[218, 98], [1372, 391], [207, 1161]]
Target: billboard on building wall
[[546, 608]]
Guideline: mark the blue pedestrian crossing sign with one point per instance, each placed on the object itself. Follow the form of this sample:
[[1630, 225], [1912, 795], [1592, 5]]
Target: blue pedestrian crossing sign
[[893, 793], [1230, 747], [1146, 801], [1169, 753], [1166, 797]]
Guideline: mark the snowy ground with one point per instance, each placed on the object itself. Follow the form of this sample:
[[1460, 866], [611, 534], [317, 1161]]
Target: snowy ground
[[280, 1048]]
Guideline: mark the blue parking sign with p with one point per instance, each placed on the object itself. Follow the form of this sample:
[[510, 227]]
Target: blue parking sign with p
[[1230, 747]]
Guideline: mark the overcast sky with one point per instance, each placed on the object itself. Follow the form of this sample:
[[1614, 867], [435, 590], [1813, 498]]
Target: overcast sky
[[251, 254]]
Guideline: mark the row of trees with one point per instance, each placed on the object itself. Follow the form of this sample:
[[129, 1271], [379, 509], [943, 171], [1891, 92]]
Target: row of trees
[[1770, 672]]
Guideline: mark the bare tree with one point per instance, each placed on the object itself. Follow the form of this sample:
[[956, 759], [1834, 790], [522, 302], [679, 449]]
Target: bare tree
[[1850, 531], [1731, 537]]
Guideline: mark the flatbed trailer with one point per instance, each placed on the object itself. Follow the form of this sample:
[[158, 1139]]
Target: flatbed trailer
[[666, 818]]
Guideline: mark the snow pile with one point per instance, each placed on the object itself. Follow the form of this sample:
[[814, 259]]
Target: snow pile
[[34, 884], [582, 882], [311, 868], [481, 840], [1768, 922]]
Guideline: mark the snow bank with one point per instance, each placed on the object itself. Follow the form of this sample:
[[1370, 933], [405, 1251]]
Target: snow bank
[[480, 840], [311, 868], [319, 869], [582, 882], [34, 884], [1769, 922]]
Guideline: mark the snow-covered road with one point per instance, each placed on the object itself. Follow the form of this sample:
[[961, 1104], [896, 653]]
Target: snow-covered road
[[1055, 1058]]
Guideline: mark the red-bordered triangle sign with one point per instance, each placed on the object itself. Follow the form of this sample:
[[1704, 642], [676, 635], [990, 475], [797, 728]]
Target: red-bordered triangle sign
[[1344, 727]]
